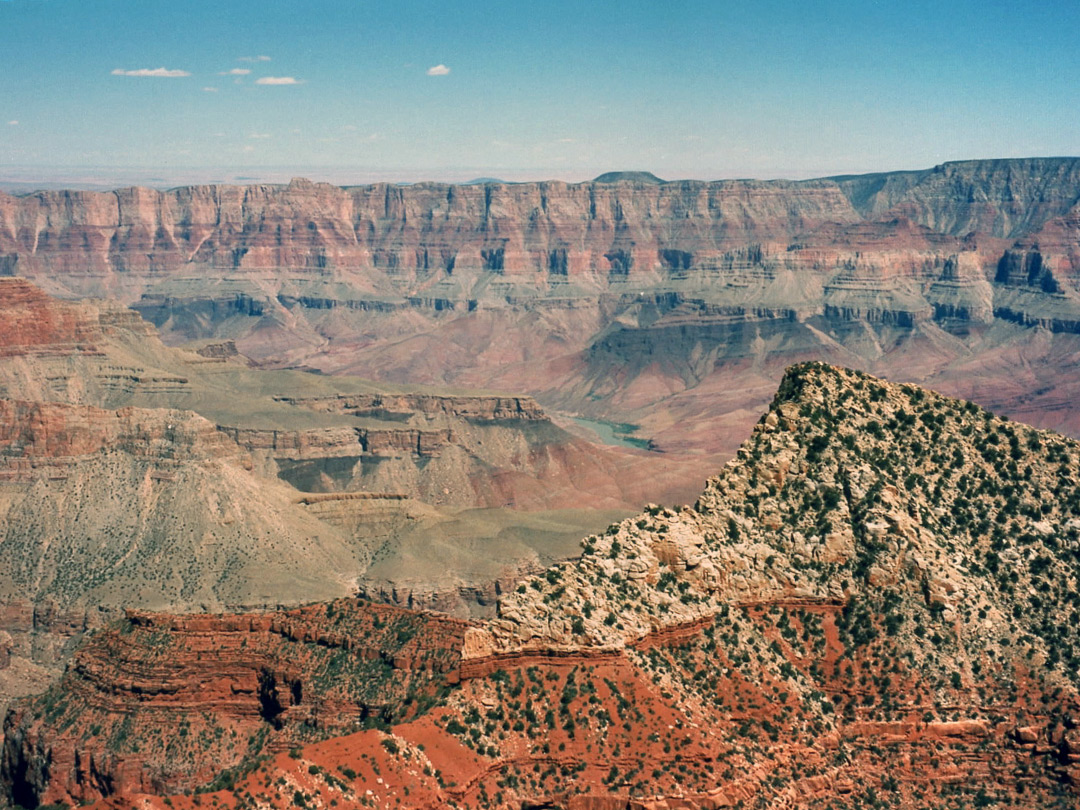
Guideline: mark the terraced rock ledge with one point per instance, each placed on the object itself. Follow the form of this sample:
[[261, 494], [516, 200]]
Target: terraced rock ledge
[[875, 603]]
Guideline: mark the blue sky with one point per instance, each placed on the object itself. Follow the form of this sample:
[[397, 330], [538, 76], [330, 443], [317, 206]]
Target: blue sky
[[352, 90]]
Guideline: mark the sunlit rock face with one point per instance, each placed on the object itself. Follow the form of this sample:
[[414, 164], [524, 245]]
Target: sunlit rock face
[[875, 598], [662, 304]]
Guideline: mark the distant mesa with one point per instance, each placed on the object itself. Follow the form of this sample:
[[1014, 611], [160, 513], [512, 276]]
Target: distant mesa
[[483, 181], [628, 177]]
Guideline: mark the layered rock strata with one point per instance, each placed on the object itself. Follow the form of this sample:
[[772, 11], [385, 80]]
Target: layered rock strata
[[639, 301], [874, 598]]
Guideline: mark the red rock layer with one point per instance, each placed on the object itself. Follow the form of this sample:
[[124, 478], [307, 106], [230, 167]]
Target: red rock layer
[[552, 228], [681, 720], [32, 322], [421, 228], [162, 702], [53, 430]]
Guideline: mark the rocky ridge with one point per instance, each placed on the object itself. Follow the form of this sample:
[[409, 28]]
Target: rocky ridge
[[848, 485], [875, 599]]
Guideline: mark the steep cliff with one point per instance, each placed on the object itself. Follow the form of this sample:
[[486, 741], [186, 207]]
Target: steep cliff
[[1003, 198], [648, 303]]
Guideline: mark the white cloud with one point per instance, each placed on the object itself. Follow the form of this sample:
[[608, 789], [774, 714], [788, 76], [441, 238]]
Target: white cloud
[[209, 89], [235, 72], [278, 80], [438, 70], [13, 123], [155, 72], [259, 135], [253, 59], [248, 148]]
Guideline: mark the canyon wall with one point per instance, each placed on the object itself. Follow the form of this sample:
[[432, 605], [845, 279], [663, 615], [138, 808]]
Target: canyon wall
[[546, 234], [666, 305]]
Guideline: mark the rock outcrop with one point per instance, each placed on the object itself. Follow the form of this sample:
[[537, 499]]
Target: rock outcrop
[[276, 678], [478, 407], [874, 598], [848, 487]]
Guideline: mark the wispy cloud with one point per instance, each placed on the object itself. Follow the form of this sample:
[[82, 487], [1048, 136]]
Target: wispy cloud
[[438, 70], [209, 89], [235, 72], [253, 59], [259, 135], [278, 80], [13, 123], [163, 73]]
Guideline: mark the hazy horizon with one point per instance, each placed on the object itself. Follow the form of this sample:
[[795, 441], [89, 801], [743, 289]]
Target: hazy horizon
[[108, 178], [354, 92]]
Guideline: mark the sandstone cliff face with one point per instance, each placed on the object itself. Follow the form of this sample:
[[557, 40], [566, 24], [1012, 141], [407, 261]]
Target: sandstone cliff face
[[549, 227], [875, 598], [41, 431], [33, 322], [648, 303], [553, 229]]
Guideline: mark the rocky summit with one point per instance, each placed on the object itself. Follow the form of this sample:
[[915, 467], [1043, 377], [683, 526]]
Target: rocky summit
[[874, 604]]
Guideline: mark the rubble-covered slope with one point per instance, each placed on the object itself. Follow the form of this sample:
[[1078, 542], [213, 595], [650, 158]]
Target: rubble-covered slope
[[850, 489], [874, 603]]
